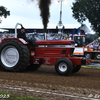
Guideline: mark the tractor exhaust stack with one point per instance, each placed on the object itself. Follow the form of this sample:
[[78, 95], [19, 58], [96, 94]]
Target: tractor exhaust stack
[[44, 35]]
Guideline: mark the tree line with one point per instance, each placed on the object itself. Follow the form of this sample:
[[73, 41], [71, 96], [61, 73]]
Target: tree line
[[4, 12]]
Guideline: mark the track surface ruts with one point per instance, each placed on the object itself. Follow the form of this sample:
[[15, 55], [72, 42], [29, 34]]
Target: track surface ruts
[[85, 82]]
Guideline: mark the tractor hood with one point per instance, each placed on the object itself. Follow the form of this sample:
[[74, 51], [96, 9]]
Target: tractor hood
[[55, 42]]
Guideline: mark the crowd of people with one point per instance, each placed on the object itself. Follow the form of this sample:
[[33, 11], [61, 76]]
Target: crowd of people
[[40, 36], [50, 36], [58, 37], [95, 45], [2, 36]]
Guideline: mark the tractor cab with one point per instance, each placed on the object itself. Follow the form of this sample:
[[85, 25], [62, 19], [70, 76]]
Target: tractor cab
[[79, 40], [79, 45]]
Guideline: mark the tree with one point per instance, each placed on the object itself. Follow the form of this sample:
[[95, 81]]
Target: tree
[[95, 36], [87, 9], [4, 12]]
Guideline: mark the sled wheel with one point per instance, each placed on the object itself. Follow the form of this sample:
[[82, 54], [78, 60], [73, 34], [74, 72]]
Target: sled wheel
[[88, 55], [97, 56]]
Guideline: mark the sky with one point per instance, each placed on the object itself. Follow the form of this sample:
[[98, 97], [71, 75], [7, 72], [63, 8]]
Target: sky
[[27, 13]]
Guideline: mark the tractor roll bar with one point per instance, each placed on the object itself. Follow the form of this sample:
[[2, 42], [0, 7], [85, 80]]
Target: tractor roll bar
[[16, 29]]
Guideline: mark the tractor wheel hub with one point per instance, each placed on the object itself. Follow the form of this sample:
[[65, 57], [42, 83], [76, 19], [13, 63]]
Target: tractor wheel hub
[[9, 56]]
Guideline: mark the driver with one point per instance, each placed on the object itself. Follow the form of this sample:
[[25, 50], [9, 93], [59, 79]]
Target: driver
[[22, 34]]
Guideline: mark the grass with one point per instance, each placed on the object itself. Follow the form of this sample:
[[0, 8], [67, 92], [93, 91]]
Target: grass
[[10, 96], [90, 66]]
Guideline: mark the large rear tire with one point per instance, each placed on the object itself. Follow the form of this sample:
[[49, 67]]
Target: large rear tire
[[14, 56], [64, 66], [76, 69]]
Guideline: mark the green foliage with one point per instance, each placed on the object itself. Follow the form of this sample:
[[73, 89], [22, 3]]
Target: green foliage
[[90, 67], [4, 12], [96, 36], [16, 97], [87, 9]]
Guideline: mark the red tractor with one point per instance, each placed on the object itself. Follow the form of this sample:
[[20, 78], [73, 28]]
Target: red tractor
[[16, 55]]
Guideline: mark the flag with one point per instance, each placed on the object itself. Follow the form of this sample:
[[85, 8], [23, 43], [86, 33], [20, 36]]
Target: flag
[[79, 31], [73, 33]]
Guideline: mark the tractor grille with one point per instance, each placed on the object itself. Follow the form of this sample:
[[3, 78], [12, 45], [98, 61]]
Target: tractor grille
[[63, 51]]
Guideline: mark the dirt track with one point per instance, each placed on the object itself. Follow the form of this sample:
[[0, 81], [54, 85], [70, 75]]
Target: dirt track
[[82, 84]]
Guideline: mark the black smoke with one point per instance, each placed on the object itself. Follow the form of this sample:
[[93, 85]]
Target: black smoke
[[44, 6]]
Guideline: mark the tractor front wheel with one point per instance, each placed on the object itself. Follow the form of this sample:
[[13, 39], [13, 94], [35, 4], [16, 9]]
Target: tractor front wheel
[[63, 66], [14, 56]]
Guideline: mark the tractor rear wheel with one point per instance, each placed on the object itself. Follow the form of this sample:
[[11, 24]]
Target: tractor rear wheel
[[63, 66], [14, 56], [76, 69]]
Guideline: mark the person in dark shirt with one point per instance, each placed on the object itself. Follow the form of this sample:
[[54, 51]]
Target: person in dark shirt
[[22, 34]]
